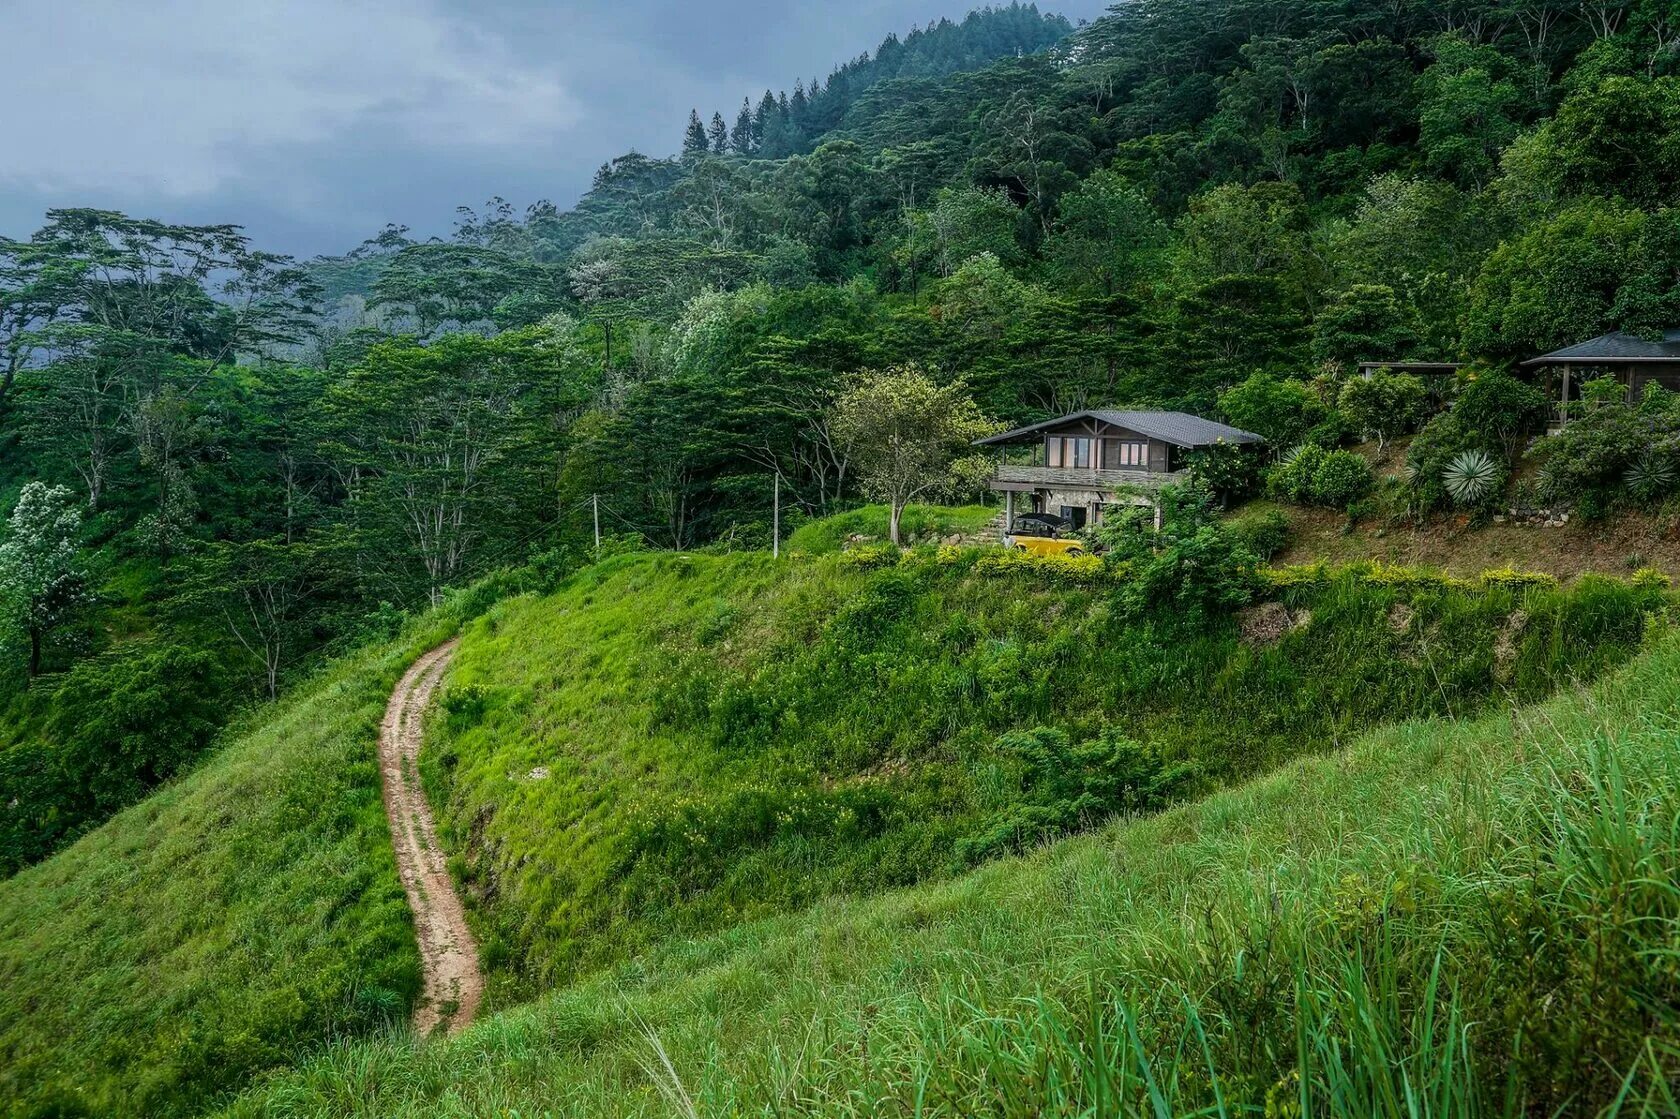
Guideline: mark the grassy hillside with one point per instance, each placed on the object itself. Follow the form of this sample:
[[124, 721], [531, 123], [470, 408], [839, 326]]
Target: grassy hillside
[[1474, 917], [220, 927], [920, 523], [673, 744]]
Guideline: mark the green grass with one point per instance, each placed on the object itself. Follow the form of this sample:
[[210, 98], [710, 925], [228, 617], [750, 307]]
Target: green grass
[[672, 745], [1478, 917], [223, 926], [726, 739], [920, 523]]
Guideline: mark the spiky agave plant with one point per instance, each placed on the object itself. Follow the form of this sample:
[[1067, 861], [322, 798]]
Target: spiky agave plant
[[1471, 477], [1651, 476]]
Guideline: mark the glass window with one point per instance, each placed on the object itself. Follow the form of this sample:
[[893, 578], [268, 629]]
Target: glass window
[[1053, 451], [1081, 457], [1119, 454]]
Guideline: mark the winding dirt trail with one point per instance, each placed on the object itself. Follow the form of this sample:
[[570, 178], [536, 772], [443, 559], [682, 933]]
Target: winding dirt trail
[[453, 983]]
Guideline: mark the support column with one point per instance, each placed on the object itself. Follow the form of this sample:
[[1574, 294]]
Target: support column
[[1008, 513]]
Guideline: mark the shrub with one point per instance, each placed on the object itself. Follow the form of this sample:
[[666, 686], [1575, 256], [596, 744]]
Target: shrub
[[1651, 477], [1265, 532], [1650, 578], [1062, 786], [1340, 479], [1077, 571], [1384, 404], [1292, 477], [1204, 573], [126, 721], [1610, 453], [1511, 579], [1500, 411], [1473, 477], [872, 556], [1310, 475], [1225, 468]]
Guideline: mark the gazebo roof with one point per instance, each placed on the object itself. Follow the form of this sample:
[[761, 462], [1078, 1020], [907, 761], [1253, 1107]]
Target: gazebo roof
[[1615, 347]]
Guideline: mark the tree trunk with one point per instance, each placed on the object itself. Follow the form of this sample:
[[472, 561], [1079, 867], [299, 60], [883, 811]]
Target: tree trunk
[[892, 522], [34, 653]]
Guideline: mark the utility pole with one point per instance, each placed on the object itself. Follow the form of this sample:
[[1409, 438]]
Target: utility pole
[[596, 498], [776, 521]]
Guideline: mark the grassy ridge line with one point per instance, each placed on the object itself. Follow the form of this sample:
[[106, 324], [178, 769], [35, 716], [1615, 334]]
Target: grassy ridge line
[[1350, 930], [236, 917]]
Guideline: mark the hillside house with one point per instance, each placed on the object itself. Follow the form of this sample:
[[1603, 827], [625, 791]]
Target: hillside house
[[1631, 360], [1077, 465]]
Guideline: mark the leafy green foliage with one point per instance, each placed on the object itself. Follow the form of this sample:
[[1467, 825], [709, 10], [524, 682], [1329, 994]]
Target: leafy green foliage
[[1597, 459], [1281, 410], [1384, 404], [1064, 786], [1472, 477], [1310, 475], [41, 581]]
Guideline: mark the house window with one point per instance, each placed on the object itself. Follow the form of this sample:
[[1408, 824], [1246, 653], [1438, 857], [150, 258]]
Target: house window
[[1121, 454], [1067, 452]]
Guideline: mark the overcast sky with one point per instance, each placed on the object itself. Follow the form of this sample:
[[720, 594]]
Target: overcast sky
[[315, 122]]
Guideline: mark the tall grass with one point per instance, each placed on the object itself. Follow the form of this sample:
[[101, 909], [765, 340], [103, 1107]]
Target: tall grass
[[230, 922], [1472, 918], [671, 745]]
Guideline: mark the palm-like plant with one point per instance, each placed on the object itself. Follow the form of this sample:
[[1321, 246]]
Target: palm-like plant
[[1471, 477], [1651, 476]]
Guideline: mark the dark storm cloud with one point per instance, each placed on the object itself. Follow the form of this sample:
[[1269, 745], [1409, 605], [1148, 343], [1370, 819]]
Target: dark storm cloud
[[315, 122]]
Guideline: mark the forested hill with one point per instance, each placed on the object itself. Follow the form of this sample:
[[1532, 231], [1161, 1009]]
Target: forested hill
[[217, 464]]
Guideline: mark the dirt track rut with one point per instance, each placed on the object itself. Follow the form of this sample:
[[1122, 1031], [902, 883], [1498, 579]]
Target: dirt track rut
[[453, 984]]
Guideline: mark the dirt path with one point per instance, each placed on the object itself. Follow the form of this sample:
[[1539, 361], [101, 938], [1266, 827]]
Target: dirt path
[[448, 955]]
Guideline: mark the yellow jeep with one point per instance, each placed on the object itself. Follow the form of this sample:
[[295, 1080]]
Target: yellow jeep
[[1045, 546]]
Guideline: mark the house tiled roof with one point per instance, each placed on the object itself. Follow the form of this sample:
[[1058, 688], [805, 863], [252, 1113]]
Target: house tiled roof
[[1178, 428], [1618, 346]]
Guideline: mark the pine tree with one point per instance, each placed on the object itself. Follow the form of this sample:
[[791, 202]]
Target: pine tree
[[694, 142], [762, 117], [718, 134], [741, 138]]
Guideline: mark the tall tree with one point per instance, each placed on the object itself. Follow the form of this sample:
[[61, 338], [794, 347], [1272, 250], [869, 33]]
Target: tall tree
[[909, 436], [717, 135], [695, 141], [743, 138], [41, 582]]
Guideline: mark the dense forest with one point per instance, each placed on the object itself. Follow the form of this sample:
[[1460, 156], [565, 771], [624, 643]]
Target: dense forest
[[218, 464]]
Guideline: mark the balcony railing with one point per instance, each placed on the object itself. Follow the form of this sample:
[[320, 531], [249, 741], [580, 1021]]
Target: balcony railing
[[1072, 478]]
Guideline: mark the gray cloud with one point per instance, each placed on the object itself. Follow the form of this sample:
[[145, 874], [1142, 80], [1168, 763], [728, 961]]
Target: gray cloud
[[313, 122]]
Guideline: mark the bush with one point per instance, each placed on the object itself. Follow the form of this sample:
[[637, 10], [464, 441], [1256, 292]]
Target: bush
[[1341, 479], [120, 724], [1292, 477], [1384, 404], [1311, 475], [131, 719], [1512, 579], [1473, 478], [1061, 787], [1265, 533], [1225, 468], [1501, 411], [1612, 453]]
